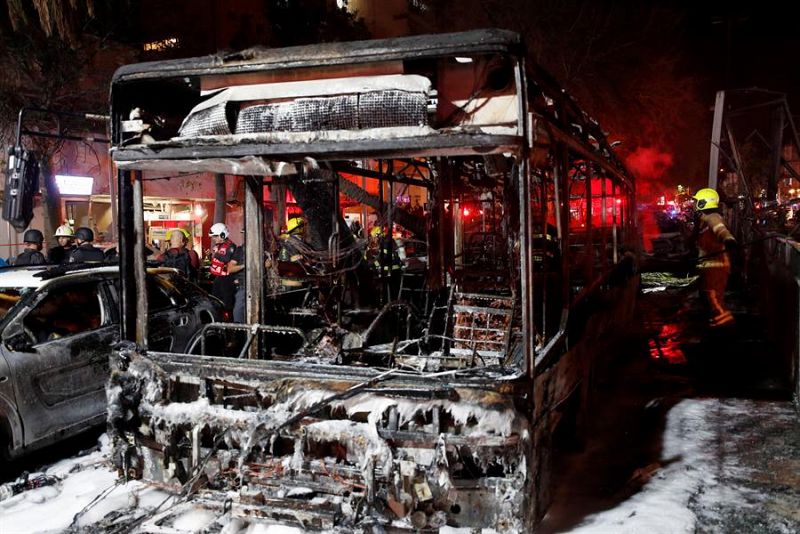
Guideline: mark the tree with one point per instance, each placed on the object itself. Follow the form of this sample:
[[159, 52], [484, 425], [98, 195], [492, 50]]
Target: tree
[[54, 56], [64, 20], [61, 54]]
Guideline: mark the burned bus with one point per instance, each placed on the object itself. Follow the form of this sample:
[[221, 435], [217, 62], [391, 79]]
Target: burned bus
[[469, 243]]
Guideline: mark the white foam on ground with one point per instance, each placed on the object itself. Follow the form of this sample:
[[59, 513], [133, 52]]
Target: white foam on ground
[[692, 471]]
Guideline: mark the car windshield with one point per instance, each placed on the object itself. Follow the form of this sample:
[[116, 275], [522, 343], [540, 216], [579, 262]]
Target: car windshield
[[9, 296]]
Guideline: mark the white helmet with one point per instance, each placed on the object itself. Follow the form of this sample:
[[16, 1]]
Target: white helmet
[[219, 229], [64, 230]]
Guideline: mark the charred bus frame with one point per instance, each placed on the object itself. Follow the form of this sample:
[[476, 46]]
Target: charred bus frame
[[405, 413]]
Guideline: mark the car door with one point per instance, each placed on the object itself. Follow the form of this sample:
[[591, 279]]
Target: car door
[[177, 316], [59, 361], [170, 322]]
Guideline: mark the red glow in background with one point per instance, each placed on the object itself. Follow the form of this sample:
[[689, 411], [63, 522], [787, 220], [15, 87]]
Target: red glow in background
[[650, 166]]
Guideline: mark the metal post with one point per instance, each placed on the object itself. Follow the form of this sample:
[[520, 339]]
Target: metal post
[[363, 210], [562, 205], [137, 254], [381, 220], [112, 192], [588, 248], [434, 231], [254, 249], [389, 238], [525, 265], [546, 245], [778, 126], [279, 192], [716, 137], [126, 248], [219, 198], [614, 239], [603, 221]]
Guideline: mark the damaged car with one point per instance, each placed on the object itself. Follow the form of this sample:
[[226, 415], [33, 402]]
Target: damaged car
[[57, 329], [403, 374]]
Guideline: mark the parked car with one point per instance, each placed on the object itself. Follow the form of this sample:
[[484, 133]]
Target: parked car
[[57, 329]]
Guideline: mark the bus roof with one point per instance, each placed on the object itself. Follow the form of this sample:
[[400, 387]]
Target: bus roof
[[327, 54], [381, 98]]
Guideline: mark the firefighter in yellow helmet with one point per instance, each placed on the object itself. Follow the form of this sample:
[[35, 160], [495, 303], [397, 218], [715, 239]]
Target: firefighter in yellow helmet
[[384, 256], [291, 265], [714, 242], [292, 240]]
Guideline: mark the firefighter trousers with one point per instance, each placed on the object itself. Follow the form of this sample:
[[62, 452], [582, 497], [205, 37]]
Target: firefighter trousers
[[713, 281]]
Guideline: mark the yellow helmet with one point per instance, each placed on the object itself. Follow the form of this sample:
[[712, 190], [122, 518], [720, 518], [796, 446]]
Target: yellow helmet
[[181, 230], [295, 224], [706, 199], [377, 231]]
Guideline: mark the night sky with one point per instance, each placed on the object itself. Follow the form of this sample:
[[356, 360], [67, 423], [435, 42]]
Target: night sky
[[739, 45], [648, 70], [745, 44], [722, 45]]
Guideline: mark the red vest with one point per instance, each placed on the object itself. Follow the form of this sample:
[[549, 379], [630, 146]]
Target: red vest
[[219, 267]]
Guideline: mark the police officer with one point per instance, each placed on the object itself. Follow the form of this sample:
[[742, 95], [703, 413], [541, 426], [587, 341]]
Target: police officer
[[714, 241], [85, 252], [33, 245], [60, 253], [221, 254]]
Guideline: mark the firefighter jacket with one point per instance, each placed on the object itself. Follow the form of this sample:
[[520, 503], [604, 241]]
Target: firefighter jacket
[[387, 255], [711, 238], [291, 249]]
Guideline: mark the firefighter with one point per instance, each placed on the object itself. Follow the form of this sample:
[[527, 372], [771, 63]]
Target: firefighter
[[221, 254], [60, 253], [178, 256], [84, 251], [714, 242], [380, 245], [32, 254], [386, 258], [291, 261], [292, 240]]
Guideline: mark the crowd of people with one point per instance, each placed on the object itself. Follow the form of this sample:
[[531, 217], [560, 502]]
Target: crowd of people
[[74, 246], [291, 264]]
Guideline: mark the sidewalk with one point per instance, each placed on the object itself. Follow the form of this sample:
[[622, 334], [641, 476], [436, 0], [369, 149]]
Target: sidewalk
[[693, 432]]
